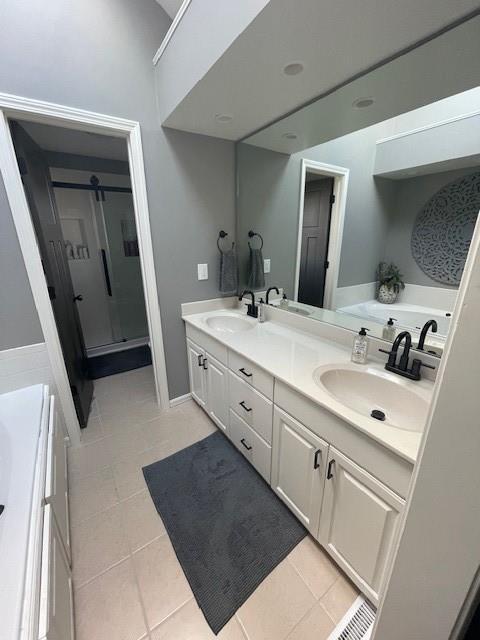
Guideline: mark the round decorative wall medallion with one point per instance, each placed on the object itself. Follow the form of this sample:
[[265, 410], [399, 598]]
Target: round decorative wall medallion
[[443, 229]]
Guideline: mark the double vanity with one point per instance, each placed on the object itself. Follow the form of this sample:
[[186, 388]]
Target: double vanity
[[296, 407]]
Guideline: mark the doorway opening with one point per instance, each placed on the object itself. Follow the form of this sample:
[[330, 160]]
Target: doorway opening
[[14, 108], [323, 191], [78, 189]]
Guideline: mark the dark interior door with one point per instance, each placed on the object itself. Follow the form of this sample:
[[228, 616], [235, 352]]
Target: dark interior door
[[41, 201], [315, 233]]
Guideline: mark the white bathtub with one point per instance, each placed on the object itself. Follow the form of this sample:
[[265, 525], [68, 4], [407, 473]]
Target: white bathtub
[[408, 316], [20, 427]]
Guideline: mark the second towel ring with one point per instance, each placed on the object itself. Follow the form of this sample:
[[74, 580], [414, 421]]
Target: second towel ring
[[252, 234]]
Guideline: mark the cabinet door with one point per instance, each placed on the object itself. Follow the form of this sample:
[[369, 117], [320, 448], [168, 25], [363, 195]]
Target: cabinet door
[[358, 522], [217, 397], [196, 357], [56, 602], [56, 481], [298, 465]]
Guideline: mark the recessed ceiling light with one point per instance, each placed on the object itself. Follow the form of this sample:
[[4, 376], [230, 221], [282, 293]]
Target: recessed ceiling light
[[362, 103], [223, 118], [293, 68], [290, 136]]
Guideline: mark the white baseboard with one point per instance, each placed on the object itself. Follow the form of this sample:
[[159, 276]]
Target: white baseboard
[[180, 399]]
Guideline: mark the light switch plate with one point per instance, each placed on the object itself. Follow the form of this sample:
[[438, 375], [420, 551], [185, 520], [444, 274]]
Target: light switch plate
[[266, 265], [202, 271]]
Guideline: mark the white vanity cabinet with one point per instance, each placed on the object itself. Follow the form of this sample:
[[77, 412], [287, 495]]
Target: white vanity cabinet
[[196, 370], [56, 594], [253, 407], [251, 445], [208, 382], [347, 488], [217, 391], [358, 521], [240, 406], [298, 468]]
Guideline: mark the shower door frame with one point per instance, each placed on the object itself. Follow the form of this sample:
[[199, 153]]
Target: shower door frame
[[12, 106]]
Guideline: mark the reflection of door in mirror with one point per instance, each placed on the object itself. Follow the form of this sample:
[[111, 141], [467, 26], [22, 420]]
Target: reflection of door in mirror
[[315, 236]]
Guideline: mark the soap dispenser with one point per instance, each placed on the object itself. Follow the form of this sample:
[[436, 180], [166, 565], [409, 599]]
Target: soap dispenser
[[388, 332], [261, 311], [360, 347], [284, 302]]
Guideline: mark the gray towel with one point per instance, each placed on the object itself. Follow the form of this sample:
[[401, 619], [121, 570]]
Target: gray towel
[[228, 272], [256, 279]]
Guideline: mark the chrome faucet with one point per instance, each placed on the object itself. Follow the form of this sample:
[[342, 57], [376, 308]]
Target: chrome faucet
[[268, 293], [423, 334], [402, 367], [252, 309]]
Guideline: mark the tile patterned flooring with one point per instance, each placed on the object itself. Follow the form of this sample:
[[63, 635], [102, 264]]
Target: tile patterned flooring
[[128, 583]]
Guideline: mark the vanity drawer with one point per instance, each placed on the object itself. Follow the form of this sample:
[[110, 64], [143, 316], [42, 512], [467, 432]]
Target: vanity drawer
[[251, 373], [252, 406], [256, 450]]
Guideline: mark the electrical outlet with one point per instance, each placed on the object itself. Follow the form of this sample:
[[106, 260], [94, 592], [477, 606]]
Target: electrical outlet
[[266, 265], [202, 270]]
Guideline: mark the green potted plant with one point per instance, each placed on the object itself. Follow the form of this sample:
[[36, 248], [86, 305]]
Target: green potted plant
[[390, 282]]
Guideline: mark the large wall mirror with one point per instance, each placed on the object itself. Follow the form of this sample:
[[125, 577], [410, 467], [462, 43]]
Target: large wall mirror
[[368, 221]]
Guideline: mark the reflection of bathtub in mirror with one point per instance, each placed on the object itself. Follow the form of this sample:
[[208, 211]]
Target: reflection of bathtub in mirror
[[375, 315], [408, 316]]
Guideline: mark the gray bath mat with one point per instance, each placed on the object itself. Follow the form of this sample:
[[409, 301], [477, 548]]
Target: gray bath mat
[[229, 530]]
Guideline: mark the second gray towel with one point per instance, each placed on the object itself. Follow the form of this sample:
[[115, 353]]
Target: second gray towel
[[228, 272], [256, 279]]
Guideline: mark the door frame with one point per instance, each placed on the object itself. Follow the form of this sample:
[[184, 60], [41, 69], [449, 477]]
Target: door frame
[[53, 114], [340, 185]]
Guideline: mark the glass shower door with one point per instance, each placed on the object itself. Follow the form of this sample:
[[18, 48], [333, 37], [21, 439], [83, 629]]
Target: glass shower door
[[123, 264]]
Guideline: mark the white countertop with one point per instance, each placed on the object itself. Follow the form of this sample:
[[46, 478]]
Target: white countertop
[[292, 356], [20, 425]]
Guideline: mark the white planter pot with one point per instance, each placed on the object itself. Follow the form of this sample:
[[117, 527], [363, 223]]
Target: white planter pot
[[386, 295]]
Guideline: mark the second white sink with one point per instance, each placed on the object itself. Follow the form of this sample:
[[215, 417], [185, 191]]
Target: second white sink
[[369, 390], [229, 323]]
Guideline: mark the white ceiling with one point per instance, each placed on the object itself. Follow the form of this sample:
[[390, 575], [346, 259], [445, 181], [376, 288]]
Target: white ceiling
[[334, 39], [170, 6], [77, 142]]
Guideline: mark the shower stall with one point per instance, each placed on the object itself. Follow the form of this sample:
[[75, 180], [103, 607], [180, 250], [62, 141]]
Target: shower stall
[[99, 230]]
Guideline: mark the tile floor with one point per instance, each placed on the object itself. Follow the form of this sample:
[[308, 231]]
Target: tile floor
[[128, 583]]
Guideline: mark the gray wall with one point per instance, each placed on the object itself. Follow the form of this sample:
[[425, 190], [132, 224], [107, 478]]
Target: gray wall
[[268, 199], [97, 55], [19, 323], [410, 198]]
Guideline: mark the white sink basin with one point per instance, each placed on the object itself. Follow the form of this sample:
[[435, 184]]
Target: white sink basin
[[368, 389], [229, 323]]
